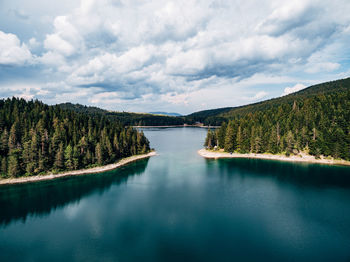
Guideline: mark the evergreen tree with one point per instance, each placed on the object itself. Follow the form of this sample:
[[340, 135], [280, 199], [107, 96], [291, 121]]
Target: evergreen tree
[[221, 134], [76, 158], [59, 158], [273, 141], [239, 140], [14, 167], [290, 143], [230, 138], [3, 166], [68, 157], [99, 154]]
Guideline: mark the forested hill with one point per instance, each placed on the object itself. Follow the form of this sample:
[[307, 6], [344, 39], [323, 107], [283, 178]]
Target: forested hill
[[36, 138], [127, 118], [315, 121], [217, 116]]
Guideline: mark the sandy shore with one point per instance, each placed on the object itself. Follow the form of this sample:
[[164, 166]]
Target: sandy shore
[[295, 158], [98, 169]]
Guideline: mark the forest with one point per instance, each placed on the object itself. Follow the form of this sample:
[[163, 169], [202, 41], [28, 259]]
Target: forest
[[127, 118], [317, 124], [37, 139], [216, 117]]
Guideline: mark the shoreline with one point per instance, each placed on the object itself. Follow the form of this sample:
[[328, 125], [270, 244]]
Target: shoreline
[[302, 158], [94, 170], [177, 126]]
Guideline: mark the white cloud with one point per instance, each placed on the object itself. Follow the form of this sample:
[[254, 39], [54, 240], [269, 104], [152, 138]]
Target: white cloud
[[293, 89], [56, 43], [322, 67], [52, 59], [173, 50], [66, 40], [259, 95], [12, 52], [287, 17], [33, 43]]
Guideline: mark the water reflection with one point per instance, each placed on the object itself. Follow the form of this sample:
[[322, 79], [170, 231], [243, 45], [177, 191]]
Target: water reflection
[[17, 202], [311, 175]]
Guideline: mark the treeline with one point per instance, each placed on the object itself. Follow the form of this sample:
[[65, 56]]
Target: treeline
[[127, 118], [215, 117], [36, 138], [318, 125]]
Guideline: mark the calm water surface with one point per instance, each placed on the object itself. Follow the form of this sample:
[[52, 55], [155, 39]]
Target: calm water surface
[[178, 206]]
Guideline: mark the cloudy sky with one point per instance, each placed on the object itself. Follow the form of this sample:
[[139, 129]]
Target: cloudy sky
[[178, 56]]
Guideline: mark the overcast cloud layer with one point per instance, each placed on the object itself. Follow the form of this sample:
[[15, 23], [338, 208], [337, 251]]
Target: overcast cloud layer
[[178, 56]]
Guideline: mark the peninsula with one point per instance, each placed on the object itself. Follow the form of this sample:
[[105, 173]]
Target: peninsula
[[94, 170]]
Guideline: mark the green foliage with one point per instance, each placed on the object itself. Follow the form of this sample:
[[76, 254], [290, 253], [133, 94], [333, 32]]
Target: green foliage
[[211, 139], [216, 117], [36, 138], [318, 124], [127, 118]]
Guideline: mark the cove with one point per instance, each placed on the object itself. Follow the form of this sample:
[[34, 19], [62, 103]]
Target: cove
[[178, 206]]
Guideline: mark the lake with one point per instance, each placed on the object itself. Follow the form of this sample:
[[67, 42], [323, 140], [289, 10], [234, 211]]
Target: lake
[[178, 206]]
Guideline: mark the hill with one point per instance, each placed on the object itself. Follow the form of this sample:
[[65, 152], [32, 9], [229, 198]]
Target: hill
[[127, 118], [217, 116], [314, 121]]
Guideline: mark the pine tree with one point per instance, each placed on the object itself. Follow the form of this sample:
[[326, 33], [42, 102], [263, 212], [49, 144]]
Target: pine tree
[[273, 141], [99, 154], [68, 157], [209, 141], [14, 168], [239, 140], [290, 143], [221, 135], [12, 142], [4, 143], [230, 138], [116, 146], [59, 158], [258, 145], [3, 170], [76, 158]]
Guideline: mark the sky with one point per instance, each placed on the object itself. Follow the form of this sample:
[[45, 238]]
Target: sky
[[173, 56]]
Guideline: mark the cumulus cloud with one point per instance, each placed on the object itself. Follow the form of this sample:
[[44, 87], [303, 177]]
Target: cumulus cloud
[[322, 67], [130, 51], [66, 39], [290, 16], [12, 51], [293, 89]]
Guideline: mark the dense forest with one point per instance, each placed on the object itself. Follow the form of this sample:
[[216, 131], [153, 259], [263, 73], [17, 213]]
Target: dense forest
[[216, 117], [36, 138], [127, 118], [317, 123]]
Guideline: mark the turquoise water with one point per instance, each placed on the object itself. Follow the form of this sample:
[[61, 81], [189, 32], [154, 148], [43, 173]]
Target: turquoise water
[[178, 206]]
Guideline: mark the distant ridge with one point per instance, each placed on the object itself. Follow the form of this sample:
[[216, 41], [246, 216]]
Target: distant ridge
[[213, 117], [165, 113], [127, 118]]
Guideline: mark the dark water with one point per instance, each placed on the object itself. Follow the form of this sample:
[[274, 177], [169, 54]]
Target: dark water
[[180, 207]]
